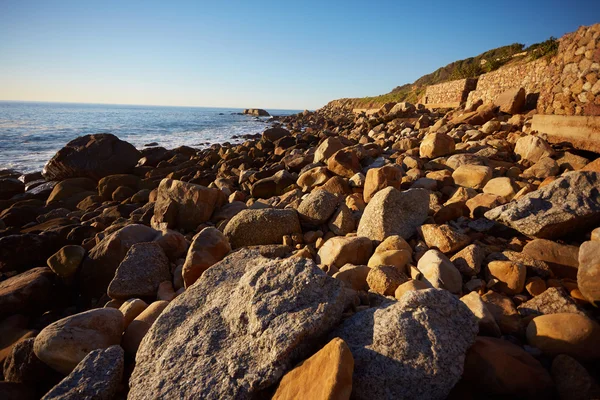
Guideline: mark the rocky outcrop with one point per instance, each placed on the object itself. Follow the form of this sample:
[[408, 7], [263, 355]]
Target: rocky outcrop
[[257, 112], [92, 156], [236, 331]]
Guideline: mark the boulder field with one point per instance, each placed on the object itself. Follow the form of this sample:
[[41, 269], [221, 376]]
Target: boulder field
[[408, 254]]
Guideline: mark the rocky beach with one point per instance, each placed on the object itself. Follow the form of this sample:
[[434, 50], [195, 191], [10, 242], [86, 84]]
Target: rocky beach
[[408, 251]]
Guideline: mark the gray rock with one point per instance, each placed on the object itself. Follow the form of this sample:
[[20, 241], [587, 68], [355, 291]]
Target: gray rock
[[317, 207], [569, 204], [392, 212], [96, 377], [552, 301], [140, 273], [411, 349], [262, 226], [236, 331], [99, 267]]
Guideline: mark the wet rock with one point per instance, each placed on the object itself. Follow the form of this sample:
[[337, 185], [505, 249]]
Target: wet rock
[[261, 227], [64, 343], [144, 267], [97, 376], [92, 156], [325, 375], [184, 205], [211, 331], [391, 212], [413, 348], [208, 247], [571, 203]]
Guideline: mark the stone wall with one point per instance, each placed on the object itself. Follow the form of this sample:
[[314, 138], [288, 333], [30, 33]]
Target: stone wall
[[531, 76], [451, 93], [574, 75]]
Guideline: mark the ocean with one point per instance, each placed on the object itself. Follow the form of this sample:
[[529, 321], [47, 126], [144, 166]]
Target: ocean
[[32, 132]]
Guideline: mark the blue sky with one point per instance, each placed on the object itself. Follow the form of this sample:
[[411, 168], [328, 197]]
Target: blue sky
[[268, 54]]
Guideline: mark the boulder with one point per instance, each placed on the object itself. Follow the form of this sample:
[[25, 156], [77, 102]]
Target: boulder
[[562, 258], [397, 258], [569, 204], [354, 276], [344, 162], [274, 185], [209, 246], [572, 380], [313, 177], [97, 376], [380, 178], [392, 212], [325, 375], [436, 145], [485, 319], [257, 112], [588, 273], [30, 291], [137, 329], [64, 343], [184, 205], [342, 221], [439, 272], [410, 286], [10, 187], [140, 273], [511, 101], [92, 156], [131, 308], [496, 367], [413, 348], [573, 334], [341, 250], [504, 311], [66, 261], [327, 148], [108, 184], [99, 267], [317, 207], [510, 275], [472, 176], [261, 226], [502, 186], [533, 148], [23, 366], [237, 330], [274, 134], [444, 238], [468, 261], [385, 279], [554, 300], [70, 192]]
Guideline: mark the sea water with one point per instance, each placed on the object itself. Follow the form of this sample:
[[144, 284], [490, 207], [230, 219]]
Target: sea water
[[31, 132]]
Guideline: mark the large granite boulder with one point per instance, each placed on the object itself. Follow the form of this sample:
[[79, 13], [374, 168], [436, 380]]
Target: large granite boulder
[[92, 156], [392, 212], [411, 349], [234, 333], [184, 205], [569, 204], [97, 376], [262, 226]]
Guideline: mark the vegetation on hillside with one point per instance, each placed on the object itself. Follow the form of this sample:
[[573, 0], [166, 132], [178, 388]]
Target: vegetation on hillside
[[471, 67]]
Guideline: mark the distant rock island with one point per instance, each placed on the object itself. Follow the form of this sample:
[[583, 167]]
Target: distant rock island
[[257, 112]]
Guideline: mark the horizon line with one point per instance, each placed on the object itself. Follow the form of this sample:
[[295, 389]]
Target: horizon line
[[146, 105]]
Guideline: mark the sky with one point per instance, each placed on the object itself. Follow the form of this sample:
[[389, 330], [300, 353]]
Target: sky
[[266, 54]]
